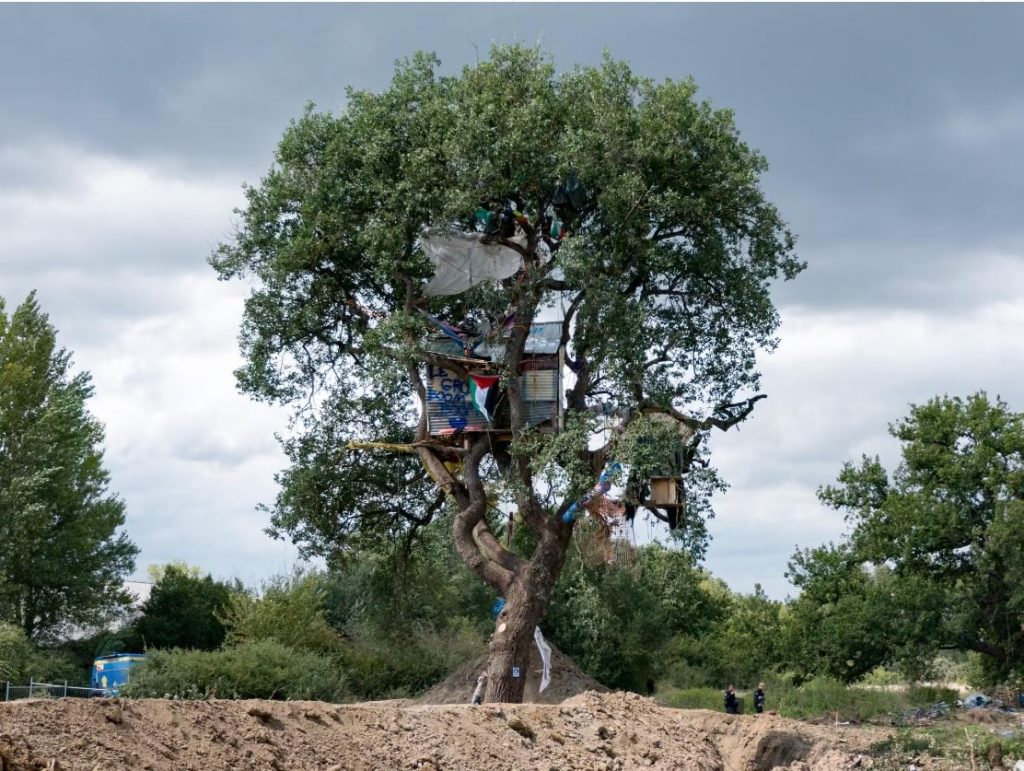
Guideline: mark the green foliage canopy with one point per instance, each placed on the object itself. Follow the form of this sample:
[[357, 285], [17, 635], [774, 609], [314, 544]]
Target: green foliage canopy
[[21, 660], [289, 610], [623, 622], [947, 527], [183, 610], [840, 624]]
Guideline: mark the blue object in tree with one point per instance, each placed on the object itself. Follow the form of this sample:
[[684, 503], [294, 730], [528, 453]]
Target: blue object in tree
[[570, 513], [497, 607]]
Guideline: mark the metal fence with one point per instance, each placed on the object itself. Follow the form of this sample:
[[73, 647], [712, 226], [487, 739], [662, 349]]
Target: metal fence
[[36, 690]]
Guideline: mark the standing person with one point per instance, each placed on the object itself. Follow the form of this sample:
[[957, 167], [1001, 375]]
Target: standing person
[[732, 704], [759, 699]]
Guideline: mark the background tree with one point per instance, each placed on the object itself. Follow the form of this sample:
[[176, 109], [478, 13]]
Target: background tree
[[21, 660], [289, 609], [620, 621], [841, 624], [947, 527], [62, 560], [746, 644], [184, 610], [661, 278]]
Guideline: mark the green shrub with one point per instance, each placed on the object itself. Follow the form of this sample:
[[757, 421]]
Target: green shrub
[[54, 666], [683, 674], [882, 676], [264, 669], [962, 745], [950, 667], [922, 695], [825, 695], [290, 610], [380, 666], [21, 661], [12, 650]]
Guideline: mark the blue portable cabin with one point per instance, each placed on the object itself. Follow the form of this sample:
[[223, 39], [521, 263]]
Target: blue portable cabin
[[112, 671]]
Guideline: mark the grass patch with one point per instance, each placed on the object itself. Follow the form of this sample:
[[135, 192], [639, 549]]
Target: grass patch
[[965, 745], [816, 698], [697, 698]]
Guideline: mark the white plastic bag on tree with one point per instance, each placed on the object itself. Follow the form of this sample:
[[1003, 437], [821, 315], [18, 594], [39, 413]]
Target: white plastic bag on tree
[[545, 657], [463, 262]]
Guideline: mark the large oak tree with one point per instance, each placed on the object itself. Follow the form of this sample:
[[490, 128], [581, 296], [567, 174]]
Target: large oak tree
[[660, 275]]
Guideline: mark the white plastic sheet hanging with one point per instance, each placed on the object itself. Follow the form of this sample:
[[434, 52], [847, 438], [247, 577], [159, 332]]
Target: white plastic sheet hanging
[[463, 262], [545, 657], [543, 252]]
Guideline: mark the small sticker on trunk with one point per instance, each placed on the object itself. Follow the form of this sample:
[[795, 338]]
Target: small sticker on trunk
[[515, 671]]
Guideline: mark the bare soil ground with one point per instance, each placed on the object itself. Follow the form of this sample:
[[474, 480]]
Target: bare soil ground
[[567, 680], [588, 732]]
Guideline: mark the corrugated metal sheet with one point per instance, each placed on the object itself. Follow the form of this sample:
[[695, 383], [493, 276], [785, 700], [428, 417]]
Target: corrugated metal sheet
[[540, 386], [448, 407], [539, 412], [544, 338]]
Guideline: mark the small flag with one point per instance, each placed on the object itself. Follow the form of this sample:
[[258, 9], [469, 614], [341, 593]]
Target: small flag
[[484, 394]]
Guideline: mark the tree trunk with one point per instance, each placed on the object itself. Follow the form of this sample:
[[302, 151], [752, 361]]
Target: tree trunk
[[509, 650], [526, 600], [526, 584]]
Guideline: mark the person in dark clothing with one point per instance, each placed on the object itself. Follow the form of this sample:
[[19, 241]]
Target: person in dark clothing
[[732, 704], [759, 699]]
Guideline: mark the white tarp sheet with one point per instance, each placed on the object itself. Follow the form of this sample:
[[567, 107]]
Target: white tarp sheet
[[463, 262]]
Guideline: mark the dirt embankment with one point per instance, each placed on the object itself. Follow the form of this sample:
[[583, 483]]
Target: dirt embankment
[[567, 680], [589, 732]]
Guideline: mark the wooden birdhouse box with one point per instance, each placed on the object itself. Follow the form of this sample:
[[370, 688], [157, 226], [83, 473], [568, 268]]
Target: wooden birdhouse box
[[666, 493]]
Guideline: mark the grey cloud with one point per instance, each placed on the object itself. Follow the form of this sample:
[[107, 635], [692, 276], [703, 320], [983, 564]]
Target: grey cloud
[[221, 451], [879, 274], [819, 89], [91, 309], [835, 384]]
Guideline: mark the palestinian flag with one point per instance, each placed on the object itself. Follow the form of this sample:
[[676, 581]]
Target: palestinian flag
[[484, 394]]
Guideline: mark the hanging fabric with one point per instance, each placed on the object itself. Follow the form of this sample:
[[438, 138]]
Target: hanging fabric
[[463, 261], [604, 484], [449, 330], [484, 394], [545, 657]]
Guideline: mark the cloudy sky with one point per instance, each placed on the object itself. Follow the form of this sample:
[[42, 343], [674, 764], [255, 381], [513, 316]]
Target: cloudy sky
[[895, 136]]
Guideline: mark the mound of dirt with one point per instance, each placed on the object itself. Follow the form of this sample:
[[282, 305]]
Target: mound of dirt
[[566, 680], [766, 742], [589, 732]]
